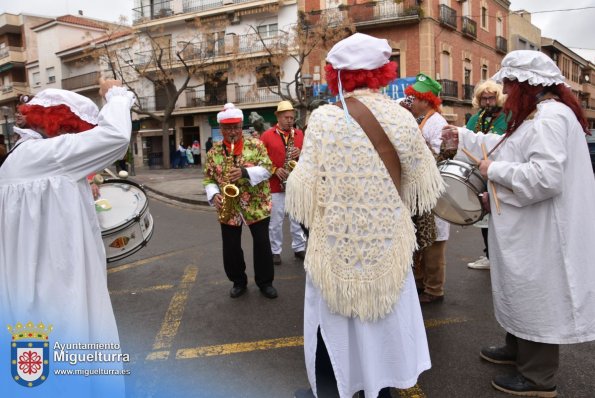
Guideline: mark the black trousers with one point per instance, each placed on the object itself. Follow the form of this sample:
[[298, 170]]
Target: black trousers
[[326, 383], [484, 233], [537, 362], [233, 255]]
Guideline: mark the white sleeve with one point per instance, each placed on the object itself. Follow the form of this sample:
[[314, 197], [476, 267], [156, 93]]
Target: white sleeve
[[79, 155], [257, 174]]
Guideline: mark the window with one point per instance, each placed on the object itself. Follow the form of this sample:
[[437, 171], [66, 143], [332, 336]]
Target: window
[[575, 72], [484, 72], [499, 27], [268, 30], [267, 75], [484, 17], [397, 58], [51, 74], [467, 8], [36, 79], [445, 65]]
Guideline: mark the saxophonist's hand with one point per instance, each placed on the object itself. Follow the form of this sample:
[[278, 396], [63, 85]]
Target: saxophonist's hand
[[282, 174], [218, 201], [235, 174], [295, 153]]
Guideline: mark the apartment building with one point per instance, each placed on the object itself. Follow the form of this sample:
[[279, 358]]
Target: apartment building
[[579, 74], [18, 44], [458, 42], [212, 38], [522, 34]]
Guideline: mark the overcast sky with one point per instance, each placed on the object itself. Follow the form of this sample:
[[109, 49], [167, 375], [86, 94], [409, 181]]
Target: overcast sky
[[571, 28]]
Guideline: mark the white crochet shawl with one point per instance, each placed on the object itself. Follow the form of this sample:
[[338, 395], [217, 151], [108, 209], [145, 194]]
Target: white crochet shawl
[[361, 234]]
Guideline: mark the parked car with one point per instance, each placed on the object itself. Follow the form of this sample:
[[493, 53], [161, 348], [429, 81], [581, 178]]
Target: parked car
[[591, 143]]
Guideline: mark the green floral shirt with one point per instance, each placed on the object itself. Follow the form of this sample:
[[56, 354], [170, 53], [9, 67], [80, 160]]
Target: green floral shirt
[[254, 202]]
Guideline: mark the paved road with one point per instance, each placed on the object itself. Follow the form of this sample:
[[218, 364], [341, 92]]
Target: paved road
[[186, 337]]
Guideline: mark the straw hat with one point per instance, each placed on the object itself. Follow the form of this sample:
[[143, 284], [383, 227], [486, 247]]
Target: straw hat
[[284, 106]]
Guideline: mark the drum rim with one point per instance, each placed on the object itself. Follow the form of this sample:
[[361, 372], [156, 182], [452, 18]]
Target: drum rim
[[137, 248], [465, 181], [137, 216]]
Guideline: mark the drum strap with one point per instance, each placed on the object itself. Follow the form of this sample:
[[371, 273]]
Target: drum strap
[[365, 118]]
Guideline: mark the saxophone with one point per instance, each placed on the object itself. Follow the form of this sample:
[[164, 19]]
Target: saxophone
[[289, 163], [230, 191]]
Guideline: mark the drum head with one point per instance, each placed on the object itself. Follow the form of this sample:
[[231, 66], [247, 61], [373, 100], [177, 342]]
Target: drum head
[[460, 203], [119, 203]]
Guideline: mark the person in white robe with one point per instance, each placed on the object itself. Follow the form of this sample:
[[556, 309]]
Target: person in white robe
[[542, 271], [53, 276], [361, 310]]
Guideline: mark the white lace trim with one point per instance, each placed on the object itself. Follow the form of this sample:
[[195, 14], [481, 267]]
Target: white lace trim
[[523, 75]]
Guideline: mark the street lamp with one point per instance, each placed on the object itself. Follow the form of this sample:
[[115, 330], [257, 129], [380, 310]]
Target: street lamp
[[6, 111]]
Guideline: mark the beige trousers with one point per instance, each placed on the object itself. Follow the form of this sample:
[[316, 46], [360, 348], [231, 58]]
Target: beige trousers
[[429, 269]]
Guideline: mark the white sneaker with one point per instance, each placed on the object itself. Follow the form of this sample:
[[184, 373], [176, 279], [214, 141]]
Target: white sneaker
[[481, 263]]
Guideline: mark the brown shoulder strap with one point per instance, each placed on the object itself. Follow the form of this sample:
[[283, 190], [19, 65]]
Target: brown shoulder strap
[[364, 117]]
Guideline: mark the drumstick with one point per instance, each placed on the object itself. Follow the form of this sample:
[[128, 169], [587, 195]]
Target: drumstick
[[470, 156], [496, 201]]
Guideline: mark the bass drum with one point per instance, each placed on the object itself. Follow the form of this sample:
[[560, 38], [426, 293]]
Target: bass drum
[[461, 202], [124, 218]]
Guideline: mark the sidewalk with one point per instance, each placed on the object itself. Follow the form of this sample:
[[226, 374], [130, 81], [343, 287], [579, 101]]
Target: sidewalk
[[182, 185]]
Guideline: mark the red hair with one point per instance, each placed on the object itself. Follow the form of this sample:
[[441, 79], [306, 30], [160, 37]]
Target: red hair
[[429, 97], [352, 79], [523, 98], [53, 120]]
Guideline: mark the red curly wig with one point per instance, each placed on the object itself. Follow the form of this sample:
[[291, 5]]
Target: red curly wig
[[352, 79], [53, 120], [429, 97], [522, 100]]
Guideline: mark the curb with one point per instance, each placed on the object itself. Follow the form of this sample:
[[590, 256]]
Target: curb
[[177, 198]]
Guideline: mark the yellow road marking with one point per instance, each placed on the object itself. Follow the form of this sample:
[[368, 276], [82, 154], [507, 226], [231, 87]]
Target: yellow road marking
[[148, 260], [141, 290], [284, 342], [234, 348], [413, 392], [173, 316], [434, 323]]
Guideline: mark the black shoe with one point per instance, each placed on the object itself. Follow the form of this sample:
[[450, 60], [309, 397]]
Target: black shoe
[[237, 291], [269, 292], [518, 385], [301, 254], [498, 355], [304, 393], [277, 259]]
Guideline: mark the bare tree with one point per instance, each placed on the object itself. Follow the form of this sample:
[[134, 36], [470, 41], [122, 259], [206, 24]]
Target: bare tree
[[303, 43], [146, 60]]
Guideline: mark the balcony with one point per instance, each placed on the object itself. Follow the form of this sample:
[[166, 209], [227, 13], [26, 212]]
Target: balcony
[[251, 94], [205, 97], [12, 90], [448, 16], [152, 11], [252, 43], [376, 13], [152, 104], [203, 50], [449, 89], [468, 92], [12, 54], [169, 8], [469, 28], [82, 81], [501, 44]]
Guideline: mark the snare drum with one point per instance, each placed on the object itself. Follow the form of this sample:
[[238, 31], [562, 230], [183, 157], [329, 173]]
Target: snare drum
[[461, 202], [124, 218]]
